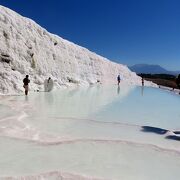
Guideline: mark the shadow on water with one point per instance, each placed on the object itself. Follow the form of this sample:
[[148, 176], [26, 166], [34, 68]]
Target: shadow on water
[[176, 136], [176, 132], [173, 137], [150, 129]]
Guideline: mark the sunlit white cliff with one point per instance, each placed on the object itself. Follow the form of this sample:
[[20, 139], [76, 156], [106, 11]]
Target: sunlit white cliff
[[27, 48]]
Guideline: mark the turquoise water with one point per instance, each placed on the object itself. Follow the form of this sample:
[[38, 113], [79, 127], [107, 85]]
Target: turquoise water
[[144, 106], [92, 132], [128, 104]]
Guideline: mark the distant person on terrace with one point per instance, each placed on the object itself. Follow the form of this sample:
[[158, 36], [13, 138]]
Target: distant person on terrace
[[48, 80], [119, 79], [26, 82], [178, 81], [142, 81]]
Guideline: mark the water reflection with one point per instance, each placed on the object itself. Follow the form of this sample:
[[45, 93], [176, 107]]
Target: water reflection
[[118, 90], [26, 98], [109, 103], [49, 98], [142, 91], [79, 102]]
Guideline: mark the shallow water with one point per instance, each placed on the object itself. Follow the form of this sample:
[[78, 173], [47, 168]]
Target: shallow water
[[91, 132], [111, 160]]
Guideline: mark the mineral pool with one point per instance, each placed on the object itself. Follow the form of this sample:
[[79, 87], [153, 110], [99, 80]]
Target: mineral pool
[[99, 132]]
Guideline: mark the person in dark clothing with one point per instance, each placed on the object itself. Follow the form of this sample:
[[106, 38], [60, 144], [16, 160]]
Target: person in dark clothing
[[119, 79], [178, 81], [26, 82], [142, 81]]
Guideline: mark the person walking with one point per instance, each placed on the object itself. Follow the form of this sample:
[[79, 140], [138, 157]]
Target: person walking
[[26, 82]]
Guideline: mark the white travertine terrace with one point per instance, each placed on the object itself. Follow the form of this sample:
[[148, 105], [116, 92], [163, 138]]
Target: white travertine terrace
[[27, 48]]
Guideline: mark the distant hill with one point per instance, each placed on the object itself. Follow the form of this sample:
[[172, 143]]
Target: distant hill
[[151, 69]]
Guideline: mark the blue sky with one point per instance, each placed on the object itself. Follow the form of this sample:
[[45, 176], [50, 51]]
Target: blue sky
[[125, 31]]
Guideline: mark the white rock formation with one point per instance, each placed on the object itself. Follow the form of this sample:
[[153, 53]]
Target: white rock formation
[[27, 48]]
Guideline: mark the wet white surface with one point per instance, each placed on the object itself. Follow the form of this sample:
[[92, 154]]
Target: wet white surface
[[90, 133]]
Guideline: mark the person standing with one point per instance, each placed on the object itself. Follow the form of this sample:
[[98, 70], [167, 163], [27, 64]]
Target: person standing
[[142, 81], [48, 84], [178, 81], [48, 80], [26, 82], [119, 79]]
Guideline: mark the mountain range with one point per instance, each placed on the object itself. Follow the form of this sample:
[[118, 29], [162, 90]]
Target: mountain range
[[151, 69]]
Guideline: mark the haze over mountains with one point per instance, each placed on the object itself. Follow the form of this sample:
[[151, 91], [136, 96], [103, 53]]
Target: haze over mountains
[[151, 69]]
